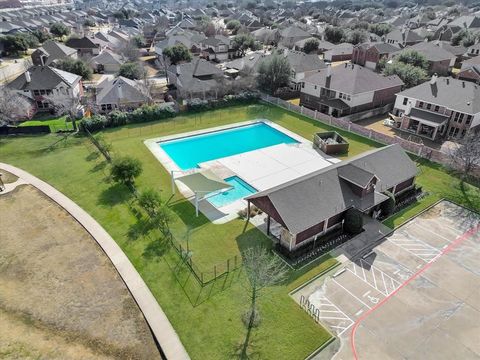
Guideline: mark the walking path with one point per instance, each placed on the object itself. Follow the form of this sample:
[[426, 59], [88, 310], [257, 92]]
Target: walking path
[[156, 318]]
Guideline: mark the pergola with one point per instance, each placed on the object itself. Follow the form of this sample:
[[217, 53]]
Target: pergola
[[202, 183]]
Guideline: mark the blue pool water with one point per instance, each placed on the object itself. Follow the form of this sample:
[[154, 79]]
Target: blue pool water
[[190, 151], [240, 190]]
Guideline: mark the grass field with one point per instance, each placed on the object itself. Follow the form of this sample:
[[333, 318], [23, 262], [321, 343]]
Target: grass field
[[207, 319], [56, 124]]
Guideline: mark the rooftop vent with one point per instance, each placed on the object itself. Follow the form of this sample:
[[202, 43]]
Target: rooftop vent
[[28, 78]]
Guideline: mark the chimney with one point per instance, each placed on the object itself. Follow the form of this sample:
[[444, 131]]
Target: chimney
[[448, 81], [433, 80], [28, 77], [329, 70], [463, 84], [328, 79]]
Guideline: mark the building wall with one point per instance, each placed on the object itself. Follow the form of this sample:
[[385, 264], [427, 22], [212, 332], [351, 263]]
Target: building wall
[[440, 67], [469, 75], [385, 96]]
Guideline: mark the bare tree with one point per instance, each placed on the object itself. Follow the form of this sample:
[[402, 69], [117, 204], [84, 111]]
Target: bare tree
[[13, 106], [262, 269], [64, 104], [465, 155]]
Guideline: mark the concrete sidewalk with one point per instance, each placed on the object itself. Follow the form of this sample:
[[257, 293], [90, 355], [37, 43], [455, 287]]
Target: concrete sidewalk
[[156, 318]]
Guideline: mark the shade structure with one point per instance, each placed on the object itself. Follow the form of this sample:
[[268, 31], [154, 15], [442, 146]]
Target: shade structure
[[203, 183]]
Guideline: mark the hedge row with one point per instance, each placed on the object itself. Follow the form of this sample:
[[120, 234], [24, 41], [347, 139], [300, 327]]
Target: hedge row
[[196, 105], [116, 118]]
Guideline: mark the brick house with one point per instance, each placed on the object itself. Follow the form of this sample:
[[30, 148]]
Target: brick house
[[315, 204], [369, 55], [440, 108], [348, 89]]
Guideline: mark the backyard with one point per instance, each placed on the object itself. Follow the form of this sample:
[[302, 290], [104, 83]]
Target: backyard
[[207, 319]]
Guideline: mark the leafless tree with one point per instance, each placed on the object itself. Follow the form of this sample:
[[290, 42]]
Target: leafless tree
[[263, 269], [13, 106], [64, 104], [465, 155]]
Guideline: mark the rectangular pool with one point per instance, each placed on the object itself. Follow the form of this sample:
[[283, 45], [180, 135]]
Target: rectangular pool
[[240, 190], [190, 151]]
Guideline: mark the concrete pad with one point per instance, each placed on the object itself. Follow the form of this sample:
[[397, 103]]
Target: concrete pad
[[343, 300], [450, 348], [467, 255], [452, 278], [402, 256], [464, 326], [429, 236], [370, 346], [359, 289]]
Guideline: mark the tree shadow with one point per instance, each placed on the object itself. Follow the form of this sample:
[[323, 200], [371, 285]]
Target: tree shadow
[[94, 155], [156, 249], [100, 166], [114, 195]]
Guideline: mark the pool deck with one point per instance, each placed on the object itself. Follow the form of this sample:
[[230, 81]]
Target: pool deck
[[263, 168]]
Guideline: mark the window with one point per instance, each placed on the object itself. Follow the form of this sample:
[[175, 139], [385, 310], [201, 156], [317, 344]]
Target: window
[[36, 92], [429, 106], [420, 104], [464, 132], [436, 108], [469, 120], [405, 101], [315, 87], [460, 118], [303, 85]]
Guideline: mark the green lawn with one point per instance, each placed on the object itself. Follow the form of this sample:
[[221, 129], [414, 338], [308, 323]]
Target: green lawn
[[56, 124], [207, 319]]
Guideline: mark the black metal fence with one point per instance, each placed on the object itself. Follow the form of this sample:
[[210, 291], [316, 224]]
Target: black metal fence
[[25, 130]]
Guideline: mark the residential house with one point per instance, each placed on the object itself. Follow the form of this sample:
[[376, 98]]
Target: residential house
[[195, 79], [440, 108], [403, 37], [85, 46], [302, 64], [217, 48], [470, 70], [52, 51], [46, 85], [348, 89], [107, 61], [120, 93], [369, 55], [339, 52], [315, 204], [474, 50], [440, 60], [292, 34]]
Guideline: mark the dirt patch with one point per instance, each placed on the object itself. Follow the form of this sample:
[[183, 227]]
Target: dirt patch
[[7, 177], [60, 297]]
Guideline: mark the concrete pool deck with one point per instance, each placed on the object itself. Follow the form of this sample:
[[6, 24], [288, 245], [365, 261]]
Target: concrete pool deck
[[263, 168]]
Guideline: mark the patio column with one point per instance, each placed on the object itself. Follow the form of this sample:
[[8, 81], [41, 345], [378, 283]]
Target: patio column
[[268, 225], [435, 133], [248, 210]]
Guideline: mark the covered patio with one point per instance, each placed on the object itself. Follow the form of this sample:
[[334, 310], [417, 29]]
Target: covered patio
[[424, 123]]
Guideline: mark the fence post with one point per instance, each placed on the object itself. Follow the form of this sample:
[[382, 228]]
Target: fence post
[[301, 109], [315, 116], [370, 134], [228, 265], [215, 271], [349, 126]]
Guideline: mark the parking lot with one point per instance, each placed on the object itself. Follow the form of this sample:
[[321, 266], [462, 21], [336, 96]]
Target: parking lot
[[415, 296]]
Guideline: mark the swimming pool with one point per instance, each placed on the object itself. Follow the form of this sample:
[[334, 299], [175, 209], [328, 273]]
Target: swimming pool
[[240, 190], [190, 151]]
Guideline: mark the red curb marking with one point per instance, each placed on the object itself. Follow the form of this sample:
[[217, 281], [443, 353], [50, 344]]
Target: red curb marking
[[449, 248]]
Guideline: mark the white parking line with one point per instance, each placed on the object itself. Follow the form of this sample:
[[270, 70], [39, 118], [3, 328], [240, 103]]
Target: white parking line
[[434, 233], [389, 283], [348, 291], [416, 247], [335, 319]]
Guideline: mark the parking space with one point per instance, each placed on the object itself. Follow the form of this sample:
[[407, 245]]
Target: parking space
[[422, 278]]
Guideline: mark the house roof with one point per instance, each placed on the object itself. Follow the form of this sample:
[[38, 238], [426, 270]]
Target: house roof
[[106, 57], [353, 79], [120, 90], [44, 78], [55, 50], [305, 201], [301, 62], [431, 51], [293, 31], [455, 94], [404, 35], [82, 43], [433, 117]]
